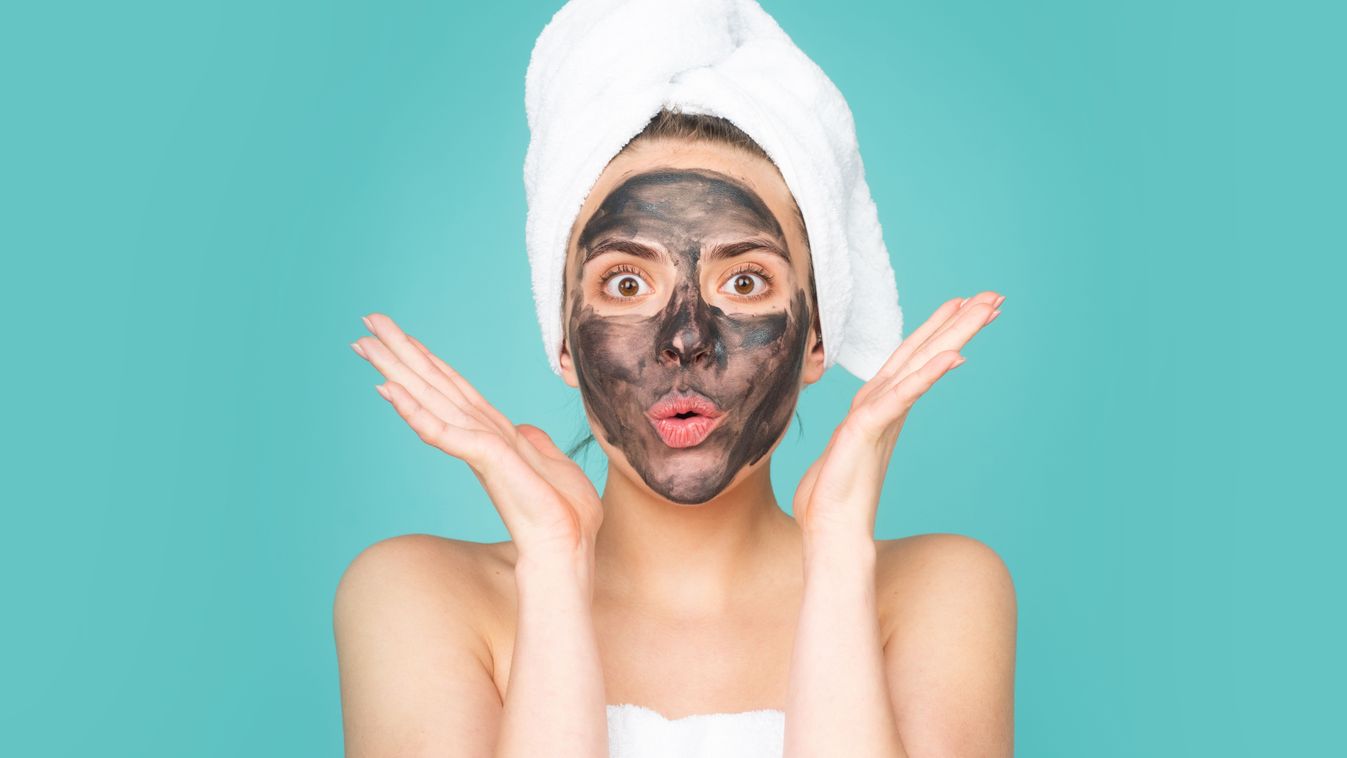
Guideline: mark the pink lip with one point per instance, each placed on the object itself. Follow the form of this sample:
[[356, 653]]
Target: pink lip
[[684, 432]]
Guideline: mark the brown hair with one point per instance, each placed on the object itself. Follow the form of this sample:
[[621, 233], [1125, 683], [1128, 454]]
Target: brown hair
[[701, 127]]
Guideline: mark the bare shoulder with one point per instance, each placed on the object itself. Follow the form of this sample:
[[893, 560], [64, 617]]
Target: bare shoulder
[[432, 566], [941, 555], [948, 618], [412, 620]]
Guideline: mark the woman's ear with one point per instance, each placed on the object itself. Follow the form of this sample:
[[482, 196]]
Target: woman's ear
[[813, 358], [568, 366]]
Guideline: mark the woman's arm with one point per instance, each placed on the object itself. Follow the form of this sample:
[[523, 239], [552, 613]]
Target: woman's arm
[[949, 651], [416, 672], [839, 702], [555, 703], [940, 683], [837, 698]]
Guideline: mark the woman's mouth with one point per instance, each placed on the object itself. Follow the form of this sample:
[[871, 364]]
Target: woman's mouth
[[684, 419]]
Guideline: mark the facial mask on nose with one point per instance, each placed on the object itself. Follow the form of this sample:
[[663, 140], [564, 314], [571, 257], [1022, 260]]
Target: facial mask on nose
[[692, 394]]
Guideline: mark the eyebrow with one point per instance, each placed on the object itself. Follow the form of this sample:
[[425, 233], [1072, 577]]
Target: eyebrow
[[630, 247], [732, 249], [716, 253]]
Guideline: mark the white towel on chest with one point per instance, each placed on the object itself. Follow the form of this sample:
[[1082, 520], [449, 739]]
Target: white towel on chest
[[601, 69], [635, 731]]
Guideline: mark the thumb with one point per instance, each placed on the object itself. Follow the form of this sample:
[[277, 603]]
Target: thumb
[[540, 441]]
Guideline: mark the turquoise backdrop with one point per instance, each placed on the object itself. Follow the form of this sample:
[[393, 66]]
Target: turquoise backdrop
[[200, 199]]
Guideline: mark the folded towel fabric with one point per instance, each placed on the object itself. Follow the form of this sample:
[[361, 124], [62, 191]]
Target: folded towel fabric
[[601, 69], [635, 731]]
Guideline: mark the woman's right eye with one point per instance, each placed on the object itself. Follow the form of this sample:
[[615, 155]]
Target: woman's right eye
[[623, 286]]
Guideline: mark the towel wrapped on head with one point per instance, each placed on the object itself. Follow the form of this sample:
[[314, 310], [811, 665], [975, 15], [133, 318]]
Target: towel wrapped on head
[[601, 69]]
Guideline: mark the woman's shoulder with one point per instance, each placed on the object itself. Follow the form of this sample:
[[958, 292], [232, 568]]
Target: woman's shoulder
[[413, 623], [440, 579], [926, 571], [461, 569], [902, 552], [938, 553]]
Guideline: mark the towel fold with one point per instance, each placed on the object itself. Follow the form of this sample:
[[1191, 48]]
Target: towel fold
[[635, 731], [601, 69]]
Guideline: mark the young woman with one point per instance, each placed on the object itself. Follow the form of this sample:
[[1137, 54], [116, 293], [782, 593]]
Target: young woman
[[690, 327]]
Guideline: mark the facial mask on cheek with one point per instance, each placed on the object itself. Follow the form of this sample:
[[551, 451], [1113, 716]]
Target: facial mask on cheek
[[691, 394]]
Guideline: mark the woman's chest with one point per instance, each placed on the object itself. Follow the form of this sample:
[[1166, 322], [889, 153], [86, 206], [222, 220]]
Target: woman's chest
[[683, 664]]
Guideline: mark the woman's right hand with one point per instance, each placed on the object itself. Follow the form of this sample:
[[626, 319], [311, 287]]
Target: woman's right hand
[[548, 504]]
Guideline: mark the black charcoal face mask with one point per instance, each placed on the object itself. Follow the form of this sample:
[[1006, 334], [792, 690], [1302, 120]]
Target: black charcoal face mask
[[692, 394]]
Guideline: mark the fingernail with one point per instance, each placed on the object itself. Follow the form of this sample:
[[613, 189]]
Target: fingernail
[[992, 317], [961, 302], [384, 391], [957, 363], [368, 325], [360, 351], [998, 302]]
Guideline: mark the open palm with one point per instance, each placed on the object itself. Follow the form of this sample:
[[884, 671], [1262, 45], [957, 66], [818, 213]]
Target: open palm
[[839, 493], [544, 498]]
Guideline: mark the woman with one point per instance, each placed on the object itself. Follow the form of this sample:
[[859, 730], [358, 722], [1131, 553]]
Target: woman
[[690, 323]]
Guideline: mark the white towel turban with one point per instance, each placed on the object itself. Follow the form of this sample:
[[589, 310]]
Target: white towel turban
[[601, 69]]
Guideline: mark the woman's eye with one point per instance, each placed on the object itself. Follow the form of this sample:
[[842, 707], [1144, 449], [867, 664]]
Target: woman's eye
[[625, 285], [745, 283]]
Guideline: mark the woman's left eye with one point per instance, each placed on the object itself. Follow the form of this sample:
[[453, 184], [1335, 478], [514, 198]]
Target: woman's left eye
[[623, 285], [745, 283]]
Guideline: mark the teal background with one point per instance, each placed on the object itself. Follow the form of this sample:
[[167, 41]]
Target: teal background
[[200, 200]]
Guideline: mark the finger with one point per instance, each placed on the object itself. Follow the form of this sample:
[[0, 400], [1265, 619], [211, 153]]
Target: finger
[[513, 488], [541, 442], [919, 335], [414, 357], [952, 337], [988, 298], [428, 396], [461, 383], [461, 443], [893, 404], [435, 371], [939, 321], [805, 490]]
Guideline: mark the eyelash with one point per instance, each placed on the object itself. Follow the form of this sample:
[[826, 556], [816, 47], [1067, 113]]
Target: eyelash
[[621, 268], [743, 268], [752, 268]]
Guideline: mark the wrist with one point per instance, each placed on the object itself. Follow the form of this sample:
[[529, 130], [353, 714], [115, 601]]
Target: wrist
[[554, 574], [840, 552]]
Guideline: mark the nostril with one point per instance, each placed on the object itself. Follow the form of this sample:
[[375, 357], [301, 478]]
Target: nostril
[[675, 356]]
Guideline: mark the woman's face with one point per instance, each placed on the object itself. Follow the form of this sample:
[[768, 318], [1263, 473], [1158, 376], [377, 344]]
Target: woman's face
[[689, 327]]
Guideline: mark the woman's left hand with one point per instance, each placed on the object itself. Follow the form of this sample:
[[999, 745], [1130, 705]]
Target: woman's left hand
[[839, 494]]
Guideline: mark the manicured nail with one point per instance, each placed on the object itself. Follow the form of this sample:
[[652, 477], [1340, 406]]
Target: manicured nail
[[384, 391], [992, 317], [957, 363], [360, 351], [998, 302], [368, 325]]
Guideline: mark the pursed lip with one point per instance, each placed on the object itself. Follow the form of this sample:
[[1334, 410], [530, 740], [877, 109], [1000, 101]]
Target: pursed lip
[[684, 419]]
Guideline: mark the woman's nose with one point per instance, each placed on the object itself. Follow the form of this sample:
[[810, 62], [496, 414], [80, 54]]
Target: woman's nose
[[688, 347], [688, 337]]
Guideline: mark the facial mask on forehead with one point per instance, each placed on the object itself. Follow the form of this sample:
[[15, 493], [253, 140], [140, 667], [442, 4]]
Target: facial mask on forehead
[[691, 394], [589, 89]]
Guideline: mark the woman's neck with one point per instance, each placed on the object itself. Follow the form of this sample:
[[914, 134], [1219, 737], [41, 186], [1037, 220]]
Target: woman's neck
[[694, 559]]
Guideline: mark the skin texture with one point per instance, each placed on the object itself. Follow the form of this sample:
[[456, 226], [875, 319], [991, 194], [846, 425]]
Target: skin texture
[[706, 337], [629, 598]]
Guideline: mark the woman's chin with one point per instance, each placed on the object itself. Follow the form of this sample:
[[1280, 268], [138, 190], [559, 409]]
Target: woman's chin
[[684, 476], [688, 476]]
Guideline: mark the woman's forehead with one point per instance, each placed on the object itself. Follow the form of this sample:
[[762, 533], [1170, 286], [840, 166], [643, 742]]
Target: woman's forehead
[[694, 206], [728, 190]]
